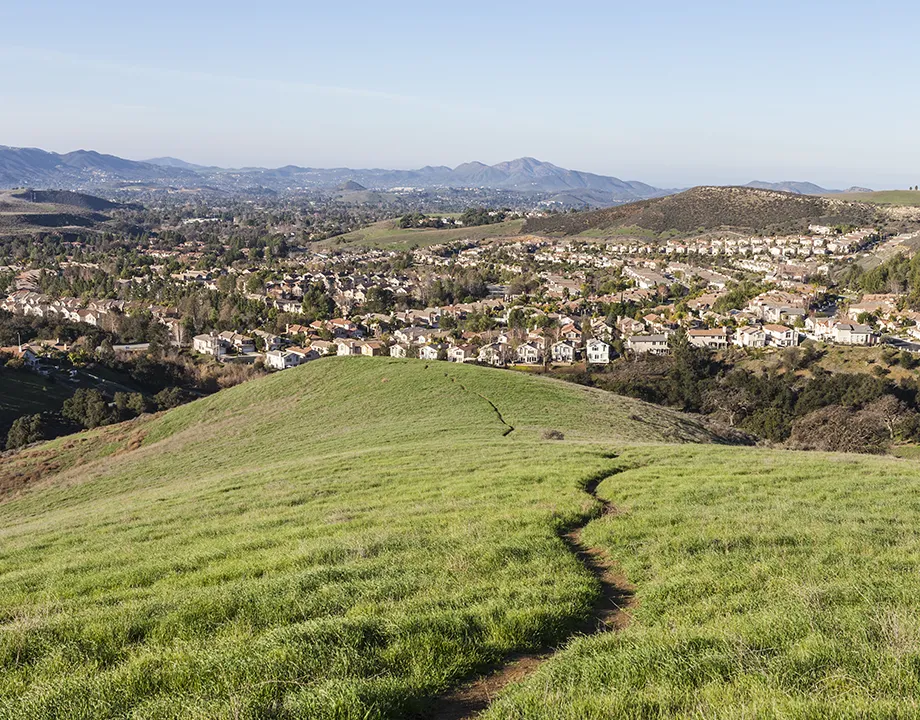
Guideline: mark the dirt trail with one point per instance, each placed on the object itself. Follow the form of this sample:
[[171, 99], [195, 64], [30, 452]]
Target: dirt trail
[[508, 427], [610, 613]]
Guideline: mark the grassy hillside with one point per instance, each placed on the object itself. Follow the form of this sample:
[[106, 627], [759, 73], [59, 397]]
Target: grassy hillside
[[352, 538], [386, 234], [28, 211], [883, 197], [708, 208], [769, 585], [346, 539]]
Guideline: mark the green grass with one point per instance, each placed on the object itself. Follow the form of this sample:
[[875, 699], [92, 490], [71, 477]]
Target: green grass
[[350, 538], [769, 585], [341, 540], [386, 234], [882, 197]]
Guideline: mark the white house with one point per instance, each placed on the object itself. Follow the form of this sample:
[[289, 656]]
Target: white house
[[461, 353], [563, 351], [597, 352], [242, 343], [347, 347], [429, 352], [494, 354], [281, 359], [847, 333], [398, 351], [529, 353], [781, 336], [210, 344], [750, 336]]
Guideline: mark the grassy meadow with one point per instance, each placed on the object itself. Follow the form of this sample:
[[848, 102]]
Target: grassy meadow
[[769, 585], [341, 540], [882, 197], [387, 235], [351, 538]]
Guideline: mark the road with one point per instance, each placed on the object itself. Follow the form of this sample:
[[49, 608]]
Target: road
[[901, 344]]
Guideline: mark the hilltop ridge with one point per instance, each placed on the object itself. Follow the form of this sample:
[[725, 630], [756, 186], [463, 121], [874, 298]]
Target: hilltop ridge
[[710, 208]]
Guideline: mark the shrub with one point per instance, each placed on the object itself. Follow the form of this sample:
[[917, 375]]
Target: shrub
[[25, 430]]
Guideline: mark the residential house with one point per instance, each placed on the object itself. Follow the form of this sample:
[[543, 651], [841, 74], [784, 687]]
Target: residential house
[[346, 347], [750, 336], [847, 333], [781, 336], [604, 330], [210, 344], [399, 351], [281, 359], [712, 339], [563, 351], [430, 351], [323, 347], [371, 348], [570, 332], [597, 352], [461, 353], [270, 340], [648, 344], [529, 353], [495, 354], [242, 343]]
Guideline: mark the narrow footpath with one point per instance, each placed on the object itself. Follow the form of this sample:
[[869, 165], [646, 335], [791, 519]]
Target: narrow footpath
[[610, 613]]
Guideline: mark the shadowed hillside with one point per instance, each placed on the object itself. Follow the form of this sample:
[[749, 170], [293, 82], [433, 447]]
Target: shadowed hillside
[[32, 210]]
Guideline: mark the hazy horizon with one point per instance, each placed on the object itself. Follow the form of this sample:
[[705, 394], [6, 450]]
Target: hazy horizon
[[668, 95]]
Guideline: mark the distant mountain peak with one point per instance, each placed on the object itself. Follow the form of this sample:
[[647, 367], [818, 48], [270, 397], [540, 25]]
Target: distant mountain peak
[[83, 169]]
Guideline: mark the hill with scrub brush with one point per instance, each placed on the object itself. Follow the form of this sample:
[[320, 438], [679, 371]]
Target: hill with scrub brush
[[369, 537], [703, 209]]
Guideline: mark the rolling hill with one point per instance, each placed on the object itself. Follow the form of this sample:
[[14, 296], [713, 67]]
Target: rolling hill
[[388, 234], [801, 188], [883, 197], [36, 210], [359, 537], [27, 167], [710, 208]]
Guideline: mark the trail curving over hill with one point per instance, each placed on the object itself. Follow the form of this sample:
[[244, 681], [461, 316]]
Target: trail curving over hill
[[508, 427], [610, 613]]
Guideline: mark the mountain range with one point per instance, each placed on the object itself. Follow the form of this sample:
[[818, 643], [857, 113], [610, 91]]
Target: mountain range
[[87, 169]]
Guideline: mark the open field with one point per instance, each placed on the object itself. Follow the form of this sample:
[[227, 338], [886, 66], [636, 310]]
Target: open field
[[386, 234], [882, 197], [346, 539], [769, 585], [353, 538]]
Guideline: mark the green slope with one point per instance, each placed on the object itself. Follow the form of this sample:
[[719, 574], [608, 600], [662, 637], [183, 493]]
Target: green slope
[[387, 235], [351, 538], [346, 538], [883, 197], [769, 585]]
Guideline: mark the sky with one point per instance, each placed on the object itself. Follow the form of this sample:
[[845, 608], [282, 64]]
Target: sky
[[669, 93]]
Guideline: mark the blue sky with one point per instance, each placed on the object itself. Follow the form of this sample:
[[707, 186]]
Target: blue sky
[[671, 93]]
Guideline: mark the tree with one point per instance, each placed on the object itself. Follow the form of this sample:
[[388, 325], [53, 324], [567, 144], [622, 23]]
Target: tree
[[25, 430], [169, 398], [890, 412], [89, 409]]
